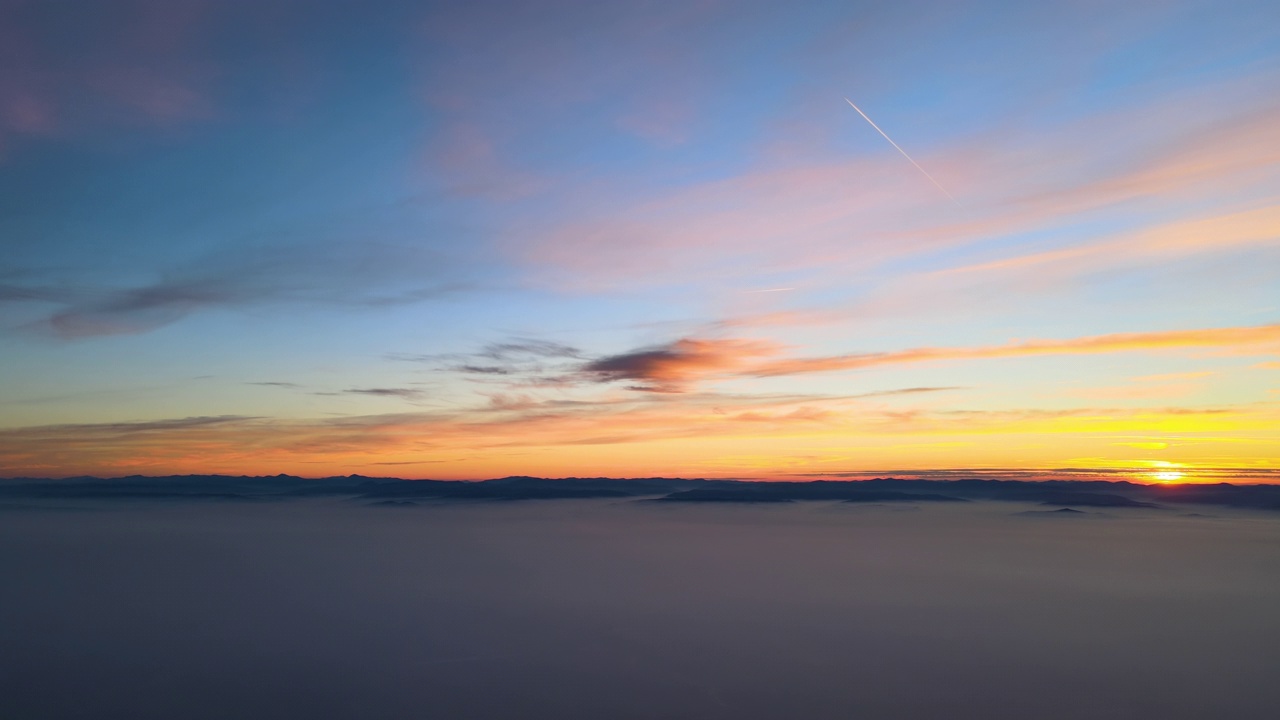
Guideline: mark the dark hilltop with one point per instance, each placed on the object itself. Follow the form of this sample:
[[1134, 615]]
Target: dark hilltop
[[396, 492]]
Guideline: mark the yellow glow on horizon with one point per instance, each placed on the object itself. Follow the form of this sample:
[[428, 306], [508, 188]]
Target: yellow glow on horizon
[[769, 439]]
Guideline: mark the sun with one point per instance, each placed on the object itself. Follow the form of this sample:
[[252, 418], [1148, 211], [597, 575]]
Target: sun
[[1168, 476]]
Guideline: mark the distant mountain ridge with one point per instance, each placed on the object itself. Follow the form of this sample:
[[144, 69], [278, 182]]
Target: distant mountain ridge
[[1057, 493]]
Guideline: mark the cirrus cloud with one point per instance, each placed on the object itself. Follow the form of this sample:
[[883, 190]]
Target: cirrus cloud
[[679, 365]]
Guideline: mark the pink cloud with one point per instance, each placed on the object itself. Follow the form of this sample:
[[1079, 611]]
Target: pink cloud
[[671, 368], [680, 365], [1259, 339], [514, 73], [151, 63], [855, 214], [468, 156], [663, 121]]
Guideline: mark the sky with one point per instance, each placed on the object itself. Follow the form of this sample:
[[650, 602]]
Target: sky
[[469, 240]]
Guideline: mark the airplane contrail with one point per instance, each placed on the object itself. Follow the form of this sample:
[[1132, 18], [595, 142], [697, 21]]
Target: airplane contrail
[[904, 152]]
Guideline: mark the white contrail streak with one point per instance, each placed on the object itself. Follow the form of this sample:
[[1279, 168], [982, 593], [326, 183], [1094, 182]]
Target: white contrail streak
[[904, 152]]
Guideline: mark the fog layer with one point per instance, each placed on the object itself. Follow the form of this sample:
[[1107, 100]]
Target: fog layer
[[633, 609]]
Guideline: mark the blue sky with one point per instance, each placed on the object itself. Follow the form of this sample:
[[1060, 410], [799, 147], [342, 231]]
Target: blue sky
[[687, 242]]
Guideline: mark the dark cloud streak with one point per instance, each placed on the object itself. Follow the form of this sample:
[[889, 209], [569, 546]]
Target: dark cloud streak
[[402, 393], [366, 275], [523, 347]]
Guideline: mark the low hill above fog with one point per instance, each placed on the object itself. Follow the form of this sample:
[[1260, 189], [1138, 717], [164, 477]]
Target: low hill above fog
[[1055, 493]]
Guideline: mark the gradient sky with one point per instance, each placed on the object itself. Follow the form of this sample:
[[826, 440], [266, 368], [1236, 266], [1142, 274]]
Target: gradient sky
[[465, 240]]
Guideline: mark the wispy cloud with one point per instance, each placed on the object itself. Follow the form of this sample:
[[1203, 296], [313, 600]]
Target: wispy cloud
[[402, 393], [485, 61], [20, 293], [1218, 233], [536, 437], [1200, 474], [516, 361], [148, 426], [145, 63], [1166, 377], [1256, 339], [526, 347], [156, 65], [908, 391], [679, 365], [672, 367], [366, 274], [515, 350], [854, 214]]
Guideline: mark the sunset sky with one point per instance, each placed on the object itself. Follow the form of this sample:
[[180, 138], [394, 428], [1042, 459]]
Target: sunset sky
[[468, 240]]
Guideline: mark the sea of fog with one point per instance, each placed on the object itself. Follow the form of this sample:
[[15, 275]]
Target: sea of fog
[[604, 609]]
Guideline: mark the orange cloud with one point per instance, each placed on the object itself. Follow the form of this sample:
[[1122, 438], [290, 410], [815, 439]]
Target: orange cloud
[[1255, 338], [679, 365], [661, 435], [672, 367], [1258, 226], [1135, 392], [1165, 377]]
